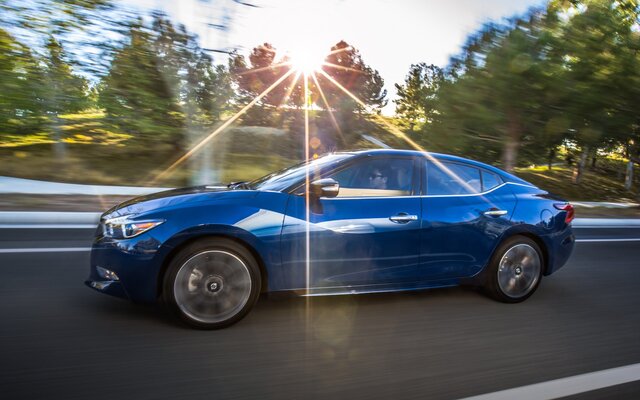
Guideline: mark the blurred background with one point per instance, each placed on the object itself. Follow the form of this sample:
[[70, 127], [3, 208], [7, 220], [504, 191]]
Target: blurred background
[[107, 92]]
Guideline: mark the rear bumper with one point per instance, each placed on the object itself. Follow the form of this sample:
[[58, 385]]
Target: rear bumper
[[560, 250]]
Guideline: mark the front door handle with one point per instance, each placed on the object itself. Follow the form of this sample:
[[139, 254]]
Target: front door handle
[[403, 218], [494, 212]]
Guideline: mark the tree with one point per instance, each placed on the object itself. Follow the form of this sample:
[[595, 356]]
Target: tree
[[161, 86], [136, 94], [497, 94], [64, 92], [21, 84], [69, 22], [345, 65], [417, 98], [596, 40]]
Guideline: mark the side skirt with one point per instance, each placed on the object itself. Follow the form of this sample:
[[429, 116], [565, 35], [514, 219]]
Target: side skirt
[[365, 289]]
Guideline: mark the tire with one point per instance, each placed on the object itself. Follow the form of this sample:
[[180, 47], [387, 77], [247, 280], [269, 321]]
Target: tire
[[212, 283], [515, 270]]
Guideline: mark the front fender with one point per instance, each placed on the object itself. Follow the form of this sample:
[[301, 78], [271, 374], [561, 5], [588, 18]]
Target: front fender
[[257, 228]]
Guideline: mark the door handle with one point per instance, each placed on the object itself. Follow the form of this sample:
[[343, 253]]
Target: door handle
[[403, 218], [494, 212]]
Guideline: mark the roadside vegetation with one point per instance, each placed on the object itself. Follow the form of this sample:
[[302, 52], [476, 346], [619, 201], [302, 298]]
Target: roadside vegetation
[[91, 92]]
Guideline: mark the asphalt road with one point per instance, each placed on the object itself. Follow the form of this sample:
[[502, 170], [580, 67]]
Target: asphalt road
[[61, 340]]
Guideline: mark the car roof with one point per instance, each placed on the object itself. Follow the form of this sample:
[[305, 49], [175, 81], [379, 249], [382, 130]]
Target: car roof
[[440, 157]]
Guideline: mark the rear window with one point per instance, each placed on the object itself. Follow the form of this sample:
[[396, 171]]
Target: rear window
[[490, 180], [450, 179]]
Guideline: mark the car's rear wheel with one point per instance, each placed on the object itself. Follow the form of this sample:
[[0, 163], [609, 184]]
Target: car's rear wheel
[[515, 270], [212, 283]]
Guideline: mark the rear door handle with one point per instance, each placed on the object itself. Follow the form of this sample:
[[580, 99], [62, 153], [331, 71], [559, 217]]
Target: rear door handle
[[494, 212], [403, 218]]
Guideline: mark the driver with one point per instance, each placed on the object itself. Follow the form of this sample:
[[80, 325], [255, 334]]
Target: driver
[[377, 180]]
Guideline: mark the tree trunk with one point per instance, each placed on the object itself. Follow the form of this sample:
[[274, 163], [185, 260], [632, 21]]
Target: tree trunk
[[594, 159], [552, 154], [579, 169], [59, 148], [511, 145], [628, 179]]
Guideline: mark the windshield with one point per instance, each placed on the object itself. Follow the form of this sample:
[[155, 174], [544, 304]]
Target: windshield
[[282, 179]]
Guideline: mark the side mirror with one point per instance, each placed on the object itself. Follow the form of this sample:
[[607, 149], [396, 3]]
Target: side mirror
[[325, 188]]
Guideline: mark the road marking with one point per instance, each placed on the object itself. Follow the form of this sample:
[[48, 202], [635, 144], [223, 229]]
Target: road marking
[[49, 226], [608, 240], [567, 386], [607, 227], [45, 250]]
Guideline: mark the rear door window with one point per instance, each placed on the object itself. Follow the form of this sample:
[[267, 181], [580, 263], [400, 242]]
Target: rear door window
[[445, 178], [490, 180]]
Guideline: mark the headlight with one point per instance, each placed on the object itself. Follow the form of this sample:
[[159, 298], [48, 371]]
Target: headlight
[[125, 228]]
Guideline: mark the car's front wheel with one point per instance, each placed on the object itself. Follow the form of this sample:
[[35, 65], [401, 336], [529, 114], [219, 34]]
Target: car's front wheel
[[515, 270], [212, 283]]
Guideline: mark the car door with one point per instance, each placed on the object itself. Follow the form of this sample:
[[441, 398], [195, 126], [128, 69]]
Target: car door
[[367, 235], [465, 211]]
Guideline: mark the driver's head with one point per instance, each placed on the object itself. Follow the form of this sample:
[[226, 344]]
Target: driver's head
[[377, 180]]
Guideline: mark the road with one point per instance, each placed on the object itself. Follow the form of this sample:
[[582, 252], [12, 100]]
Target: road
[[61, 340]]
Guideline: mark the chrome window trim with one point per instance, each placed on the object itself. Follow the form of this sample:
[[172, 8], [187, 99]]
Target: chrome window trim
[[434, 195]]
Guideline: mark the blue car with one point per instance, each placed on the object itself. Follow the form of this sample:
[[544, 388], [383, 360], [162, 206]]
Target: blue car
[[344, 223]]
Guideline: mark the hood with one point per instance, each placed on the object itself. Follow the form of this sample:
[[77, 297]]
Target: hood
[[172, 198]]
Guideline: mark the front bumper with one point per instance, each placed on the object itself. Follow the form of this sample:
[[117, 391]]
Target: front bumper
[[132, 268], [113, 288]]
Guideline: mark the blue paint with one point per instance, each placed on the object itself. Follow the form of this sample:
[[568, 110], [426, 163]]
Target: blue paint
[[355, 246]]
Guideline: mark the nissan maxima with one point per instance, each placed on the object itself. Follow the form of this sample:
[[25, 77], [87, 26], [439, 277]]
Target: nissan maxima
[[344, 223]]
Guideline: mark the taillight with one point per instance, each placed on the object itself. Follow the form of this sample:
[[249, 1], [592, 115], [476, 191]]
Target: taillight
[[568, 208]]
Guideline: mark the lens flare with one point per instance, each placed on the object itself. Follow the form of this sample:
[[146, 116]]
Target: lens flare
[[222, 127], [306, 60]]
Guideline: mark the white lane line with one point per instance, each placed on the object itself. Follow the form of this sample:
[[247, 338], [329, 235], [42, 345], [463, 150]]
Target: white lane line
[[607, 227], [45, 250], [49, 226], [608, 240], [567, 386]]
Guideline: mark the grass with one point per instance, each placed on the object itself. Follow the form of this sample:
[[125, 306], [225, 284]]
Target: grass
[[97, 155], [605, 183], [87, 127]]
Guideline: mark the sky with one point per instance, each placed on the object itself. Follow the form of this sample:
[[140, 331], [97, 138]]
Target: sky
[[390, 34]]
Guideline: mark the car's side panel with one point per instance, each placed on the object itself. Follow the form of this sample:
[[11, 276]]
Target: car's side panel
[[457, 237], [352, 241], [536, 212], [139, 261]]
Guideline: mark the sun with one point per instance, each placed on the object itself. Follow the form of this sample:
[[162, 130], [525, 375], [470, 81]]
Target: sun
[[306, 59]]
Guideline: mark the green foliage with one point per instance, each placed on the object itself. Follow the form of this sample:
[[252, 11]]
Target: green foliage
[[21, 84], [568, 73], [418, 97], [64, 92], [346, 66], [162, 88], [135, 94]]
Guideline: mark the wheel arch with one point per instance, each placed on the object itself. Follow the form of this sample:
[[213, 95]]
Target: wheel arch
[[530, 234], [183, 240], [519, 230]]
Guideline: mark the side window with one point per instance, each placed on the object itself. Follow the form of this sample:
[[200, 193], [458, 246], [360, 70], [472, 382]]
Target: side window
[[376, 177], [450, 179], [490, 180]]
